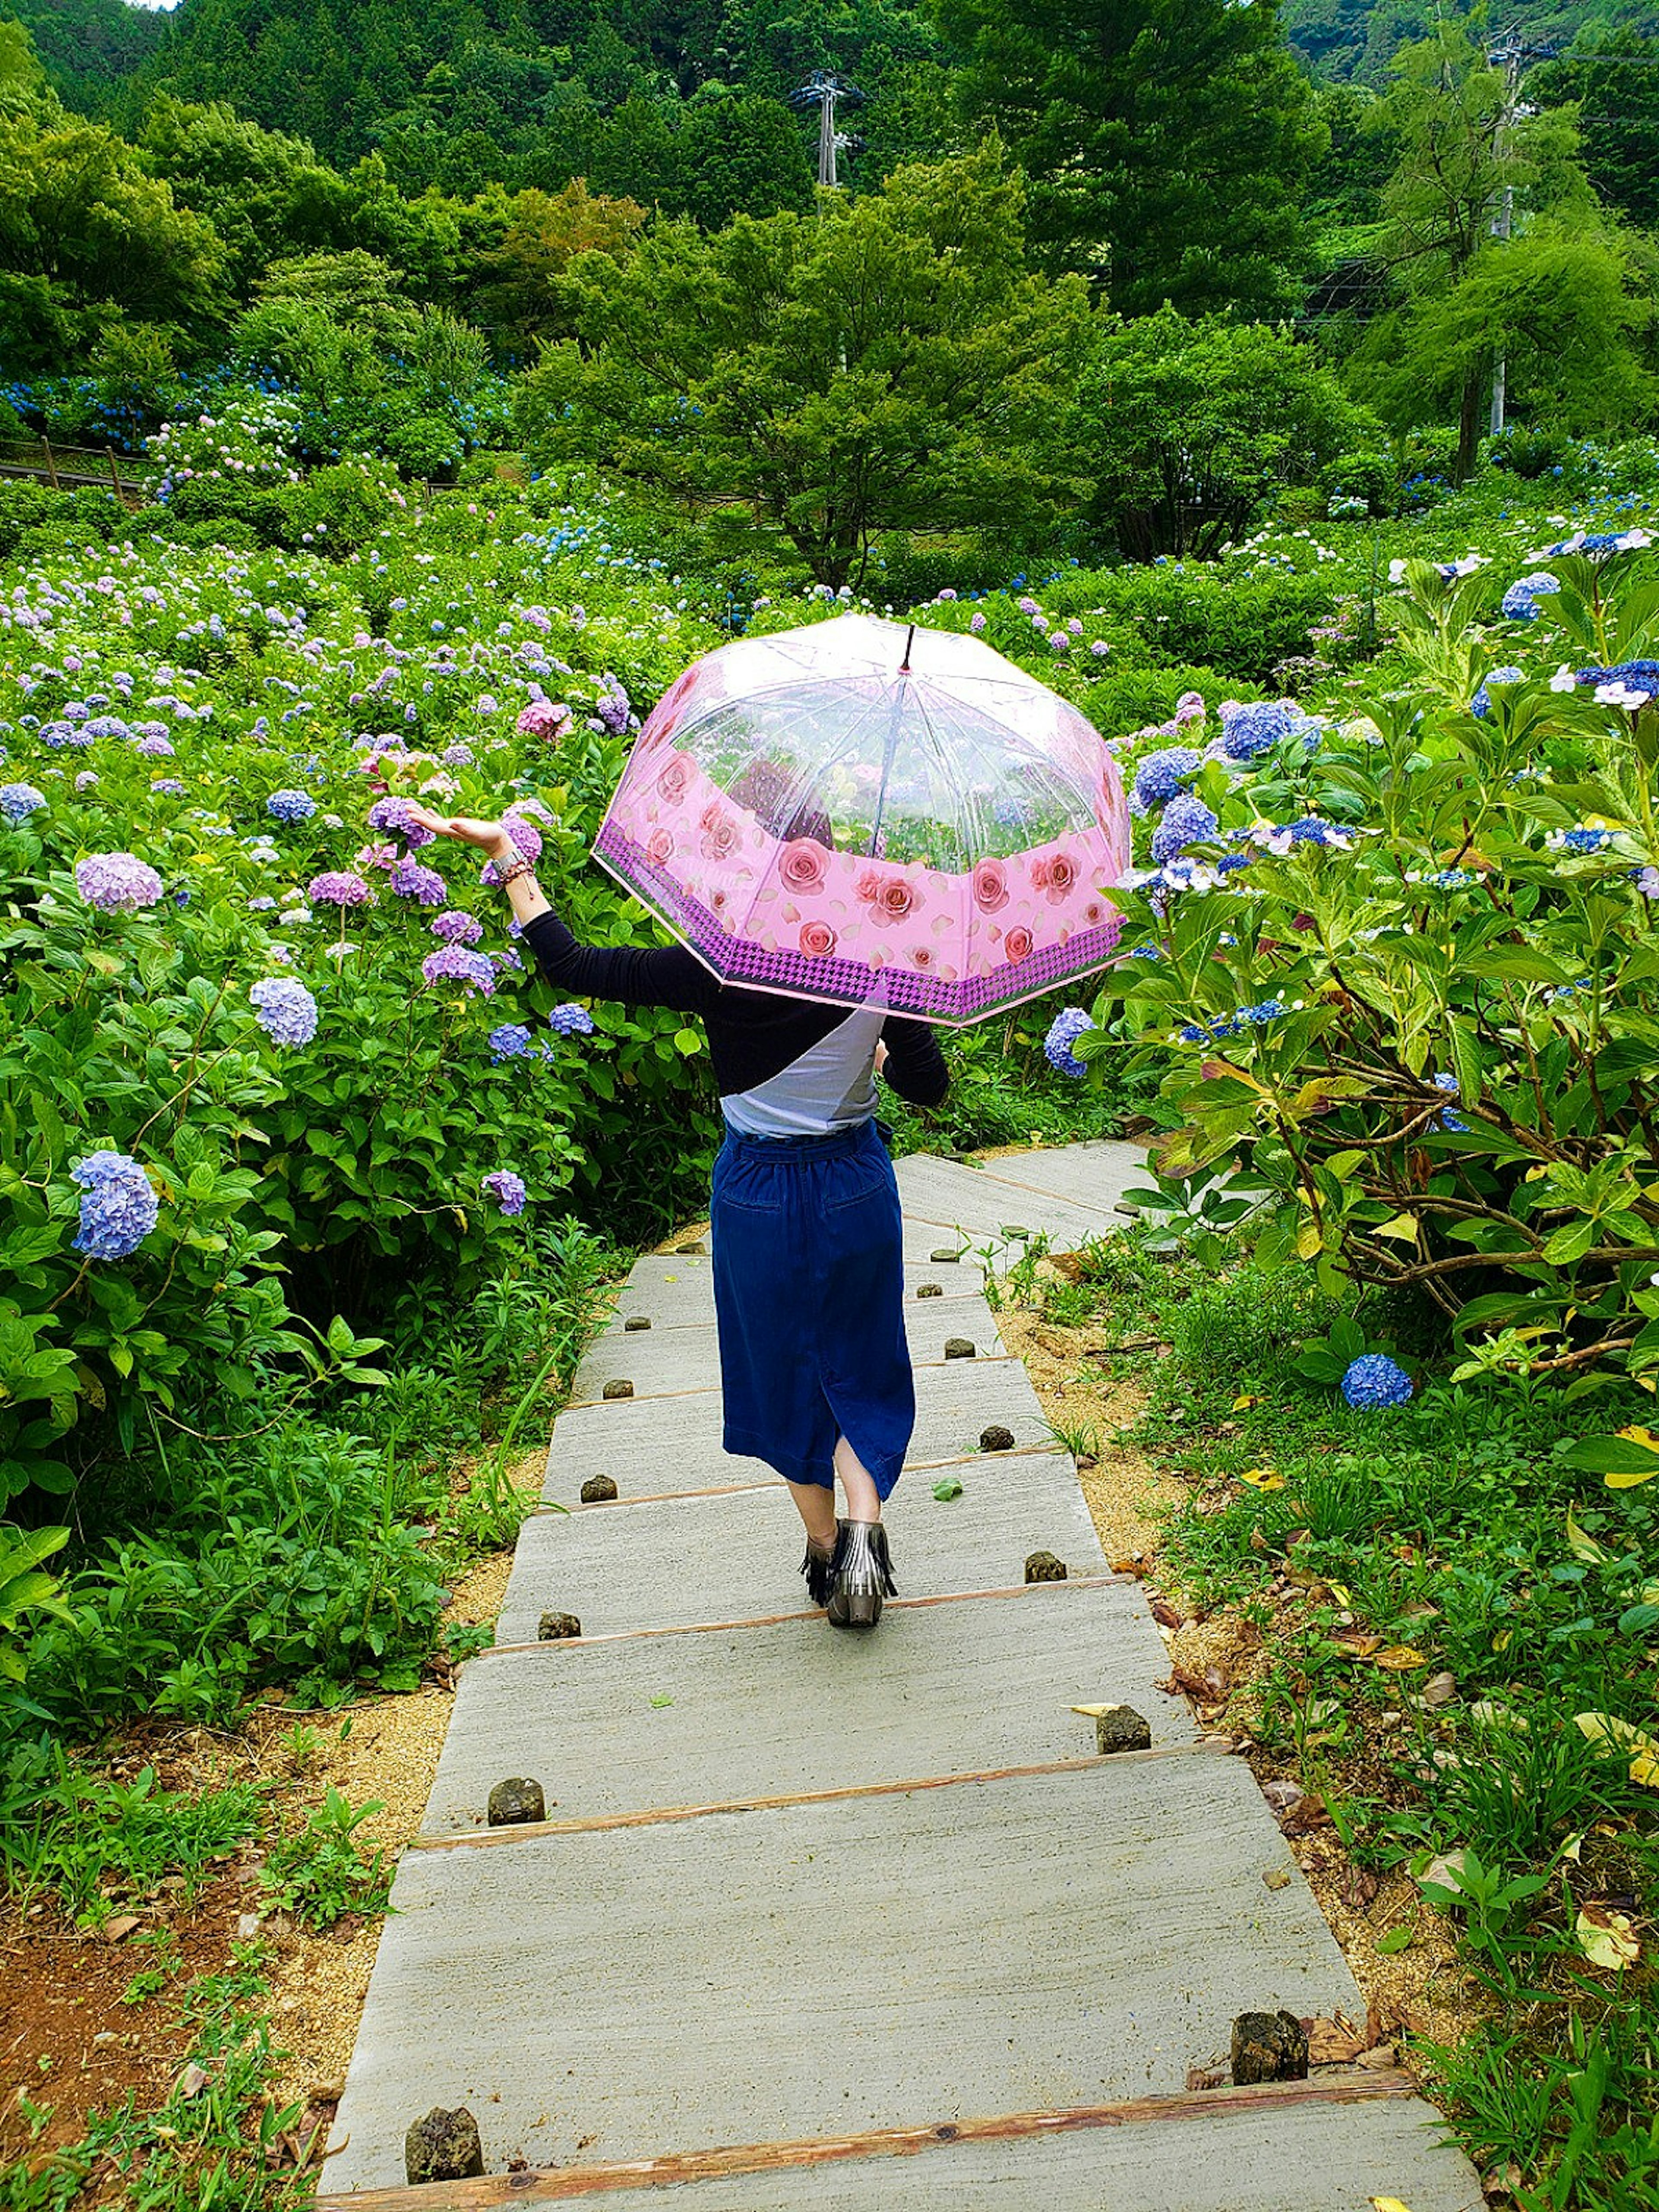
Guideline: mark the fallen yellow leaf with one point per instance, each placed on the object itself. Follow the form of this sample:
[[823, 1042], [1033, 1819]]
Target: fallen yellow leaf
[[1389, 2204], [1608, 1729], [1580, 1546], [1607, 1938], [1245, 1400], [1096, 1712], [1262, 1478], [1401, 1658], [1503, 1640]]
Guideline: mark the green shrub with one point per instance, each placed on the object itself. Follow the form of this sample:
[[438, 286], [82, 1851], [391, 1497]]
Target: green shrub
[[1433, 1037], [1371, 477]]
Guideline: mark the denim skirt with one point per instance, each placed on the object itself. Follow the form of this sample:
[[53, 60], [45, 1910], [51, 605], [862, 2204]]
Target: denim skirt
[[809, 1293]]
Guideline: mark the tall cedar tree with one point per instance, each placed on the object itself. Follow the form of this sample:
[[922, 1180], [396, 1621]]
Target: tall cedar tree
[[1167, 141]]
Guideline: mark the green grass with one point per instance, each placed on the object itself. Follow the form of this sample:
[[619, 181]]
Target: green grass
[[1439, 1529]]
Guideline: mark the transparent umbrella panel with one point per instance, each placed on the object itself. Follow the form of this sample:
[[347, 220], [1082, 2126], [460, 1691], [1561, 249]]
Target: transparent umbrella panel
[[861, 813]]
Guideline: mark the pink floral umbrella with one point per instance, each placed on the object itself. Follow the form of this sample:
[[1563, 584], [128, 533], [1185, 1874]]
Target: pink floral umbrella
[[866, 814]]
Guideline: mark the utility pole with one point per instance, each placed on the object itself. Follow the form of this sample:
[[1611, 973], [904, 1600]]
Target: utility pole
[[1503, 221], [822, 90]]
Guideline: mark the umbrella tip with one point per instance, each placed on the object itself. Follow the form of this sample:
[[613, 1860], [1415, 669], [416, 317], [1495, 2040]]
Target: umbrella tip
[[904, 664]]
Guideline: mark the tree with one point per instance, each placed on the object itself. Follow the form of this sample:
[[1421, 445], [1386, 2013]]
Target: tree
[[891, 363], [1618, 99], [544, 233], [1455, 303], [266, 194], [1166, 140], [1188, 427]]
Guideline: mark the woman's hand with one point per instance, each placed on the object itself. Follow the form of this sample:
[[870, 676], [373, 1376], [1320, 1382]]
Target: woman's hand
[[490, 837]]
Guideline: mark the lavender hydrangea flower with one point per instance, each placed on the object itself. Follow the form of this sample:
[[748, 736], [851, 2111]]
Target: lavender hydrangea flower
[[339, 887], [161, 748], [1186, 821], [1159, 776], [410, 880], [117, 883], [1374, 1379], [458, 928], [1249, 731], [506, 1189], [166, 787], [119, 1207], [510, 1042], [291, 806], [57, 735], [108, 725], [19, 800], [286, 1009], [524, 835], [455, 963], [571, 1020], [611, 709], [1063, 1031]]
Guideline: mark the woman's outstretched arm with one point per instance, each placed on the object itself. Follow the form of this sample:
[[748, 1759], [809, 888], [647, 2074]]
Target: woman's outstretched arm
[[633, 975]]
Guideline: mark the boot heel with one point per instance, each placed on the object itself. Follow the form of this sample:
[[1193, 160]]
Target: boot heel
[[863, 1574]]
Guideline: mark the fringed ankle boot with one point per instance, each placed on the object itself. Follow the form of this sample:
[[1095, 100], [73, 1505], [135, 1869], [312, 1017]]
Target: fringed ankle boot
[[862, 1572], [819, 1567]]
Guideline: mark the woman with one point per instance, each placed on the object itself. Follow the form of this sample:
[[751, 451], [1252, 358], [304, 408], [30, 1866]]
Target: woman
[[809, 1285]]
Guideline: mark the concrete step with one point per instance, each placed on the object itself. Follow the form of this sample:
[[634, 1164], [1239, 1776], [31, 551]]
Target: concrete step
[[659, 1446], [1329, 2144], [687, 1357], [986, 1210], [1021, 1945], [947, 1686], [1092, 1178], [678, 1561]]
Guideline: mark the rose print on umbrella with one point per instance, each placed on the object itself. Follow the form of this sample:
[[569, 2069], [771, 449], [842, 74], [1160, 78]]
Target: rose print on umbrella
[[861, 814]]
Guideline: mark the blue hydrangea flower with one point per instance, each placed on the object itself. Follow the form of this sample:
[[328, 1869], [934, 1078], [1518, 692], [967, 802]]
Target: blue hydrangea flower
[[286, 1009], [1374, 1379], [510, 1042], [1160, 776], [1063, 1031], [572, 1020], [1634, 675], [291, 806], [1480, 705], [19, 800], [1445, 1080], [1186, 821], [119, 1208], [507, 1190], [1520, 602], [1251, 730]]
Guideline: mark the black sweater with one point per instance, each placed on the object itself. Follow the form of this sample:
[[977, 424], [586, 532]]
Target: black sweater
[[752, 1034]]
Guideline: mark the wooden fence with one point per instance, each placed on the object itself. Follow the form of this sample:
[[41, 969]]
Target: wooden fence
[[74, 468]]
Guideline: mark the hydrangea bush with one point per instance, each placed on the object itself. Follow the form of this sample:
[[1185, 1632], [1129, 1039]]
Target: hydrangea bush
[[249, 1070], [1451, 896]]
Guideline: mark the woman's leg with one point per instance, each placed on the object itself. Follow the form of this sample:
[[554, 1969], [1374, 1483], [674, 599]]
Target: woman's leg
[[863, 1500], [815, 1502]]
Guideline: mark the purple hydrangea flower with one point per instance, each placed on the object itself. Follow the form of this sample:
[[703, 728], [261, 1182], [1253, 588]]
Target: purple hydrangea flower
[[339, 887], [119, 1207], [510, 1042], [612, 707], [108, 725], [286, 1009], [161, 748], [1159, 777], [57, 735], [117, 883], [1063, 1031], [19, 800], [1186, 821], [571, 1020], [393, 814], [506, 1189], [410, 880], [455, 963], [291, 806], [458, 928], [1374, 1379], [976, 623]]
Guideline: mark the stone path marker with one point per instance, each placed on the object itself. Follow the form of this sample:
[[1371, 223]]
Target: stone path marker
[[661, 1983]]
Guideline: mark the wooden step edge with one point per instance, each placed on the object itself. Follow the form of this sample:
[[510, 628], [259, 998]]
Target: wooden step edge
[[562, 2185], [809, 1613], [653, 1816], [711, 1390], [775, 1482]]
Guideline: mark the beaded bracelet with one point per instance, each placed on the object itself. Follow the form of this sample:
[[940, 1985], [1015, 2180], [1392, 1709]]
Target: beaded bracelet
[[521, 864]]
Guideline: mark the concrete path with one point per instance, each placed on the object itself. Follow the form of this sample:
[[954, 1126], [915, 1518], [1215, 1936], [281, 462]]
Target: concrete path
[[818, 1920]]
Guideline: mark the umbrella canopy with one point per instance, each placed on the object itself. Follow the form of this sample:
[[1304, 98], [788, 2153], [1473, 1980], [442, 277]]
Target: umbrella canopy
[[871, 814]]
